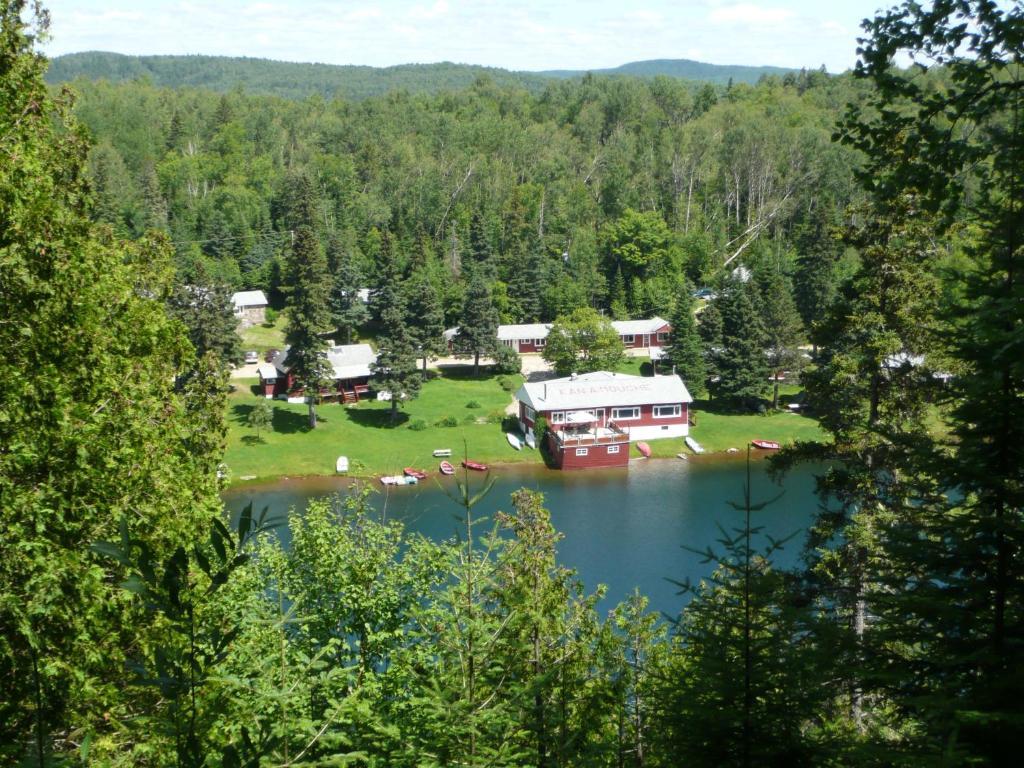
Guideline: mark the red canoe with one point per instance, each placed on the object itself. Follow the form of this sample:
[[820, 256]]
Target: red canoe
[[768, 445], [419, 474], [645, 449], [447, 468], [475, 465]]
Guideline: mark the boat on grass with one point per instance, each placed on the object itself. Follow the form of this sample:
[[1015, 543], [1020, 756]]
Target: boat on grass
[[419, 474], [476, 466], [341, 465], [514, 441], [398, 480], [766, 445], [447, 468], [693, 445], [530, 439], [439, 452], [645, 449]]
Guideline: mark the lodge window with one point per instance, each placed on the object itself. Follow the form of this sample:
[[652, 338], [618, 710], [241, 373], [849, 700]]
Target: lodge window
[[662, 337], [625, 414], [627, 338], [558, 417], [582, 451], [666, 411], [539, 342], [529, 413], [613, 449], [509, 343]]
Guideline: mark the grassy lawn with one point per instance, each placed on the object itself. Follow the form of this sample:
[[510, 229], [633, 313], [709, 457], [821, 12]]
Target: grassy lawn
[[366, 435], [261, 338], [721, 431], [375, 446]]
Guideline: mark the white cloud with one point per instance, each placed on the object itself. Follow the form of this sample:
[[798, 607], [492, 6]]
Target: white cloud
[[748, 14]]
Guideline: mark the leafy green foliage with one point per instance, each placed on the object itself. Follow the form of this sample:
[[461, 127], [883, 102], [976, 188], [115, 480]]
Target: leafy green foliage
[[92, 427], [582, 342], [260, 417]]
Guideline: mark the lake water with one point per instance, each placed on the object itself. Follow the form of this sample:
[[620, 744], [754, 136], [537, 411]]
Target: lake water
[[624, 528]]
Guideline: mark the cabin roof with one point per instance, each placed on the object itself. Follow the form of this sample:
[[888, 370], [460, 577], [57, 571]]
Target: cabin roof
[[602, 389], [639, 327], [349, 361], [523, 331], [243, 299]]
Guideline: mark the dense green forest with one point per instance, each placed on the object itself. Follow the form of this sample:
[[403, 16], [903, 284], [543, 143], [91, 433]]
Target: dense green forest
[[876, 215], [557, 186], [295, 80]]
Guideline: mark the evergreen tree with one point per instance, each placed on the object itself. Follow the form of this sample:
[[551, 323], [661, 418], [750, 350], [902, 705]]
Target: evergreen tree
[[743, 682], [388, 293], [395, 370], [526, 281], [956, 580], [874, 411], [784, 332], [684, 352], [348, 310], [425, 318], [740, 363], [308, 317], [154, 206], [206, 310], [478, 325], [709, 328]]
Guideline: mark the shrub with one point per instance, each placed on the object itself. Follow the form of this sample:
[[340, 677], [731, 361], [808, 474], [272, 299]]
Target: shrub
[[507, 384], [473, 404], [496, 417], [418, 426], [509, 423], [270, 316], [470, 419], [447, 421], [507, 360]]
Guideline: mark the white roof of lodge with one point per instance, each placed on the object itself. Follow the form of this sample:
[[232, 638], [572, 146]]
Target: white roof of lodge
[[244, 299], [541, 330], [525, 331], [637, 327], [349, 361], [602, 389]]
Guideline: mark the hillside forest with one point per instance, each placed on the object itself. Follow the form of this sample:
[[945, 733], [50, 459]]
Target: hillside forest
[[871, 220]]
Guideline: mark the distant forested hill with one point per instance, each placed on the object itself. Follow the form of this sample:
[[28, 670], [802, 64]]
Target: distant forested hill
[[686, 69], [282, 78], [298, 80]]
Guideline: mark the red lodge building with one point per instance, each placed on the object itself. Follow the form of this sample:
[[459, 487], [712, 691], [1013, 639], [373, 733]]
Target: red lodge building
[[593, 417], [652, 333]]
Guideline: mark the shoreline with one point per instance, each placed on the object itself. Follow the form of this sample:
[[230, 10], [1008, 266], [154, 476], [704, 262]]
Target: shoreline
[[524, 466]]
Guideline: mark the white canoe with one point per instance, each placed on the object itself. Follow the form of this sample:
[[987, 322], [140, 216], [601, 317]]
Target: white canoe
[[514, 441], [398, 480], [693, 445], [530, 439], [342, 464]]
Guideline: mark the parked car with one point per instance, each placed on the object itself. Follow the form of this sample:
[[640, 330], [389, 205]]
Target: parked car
[[252, 356]]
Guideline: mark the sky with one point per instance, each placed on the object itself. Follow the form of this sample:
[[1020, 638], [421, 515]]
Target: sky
[[519, 35]]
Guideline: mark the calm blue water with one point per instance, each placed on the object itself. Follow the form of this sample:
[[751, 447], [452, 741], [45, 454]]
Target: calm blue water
[[623, 528]]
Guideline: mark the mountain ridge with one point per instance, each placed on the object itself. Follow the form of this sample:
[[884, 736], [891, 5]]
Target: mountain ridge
[[355, 82]]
